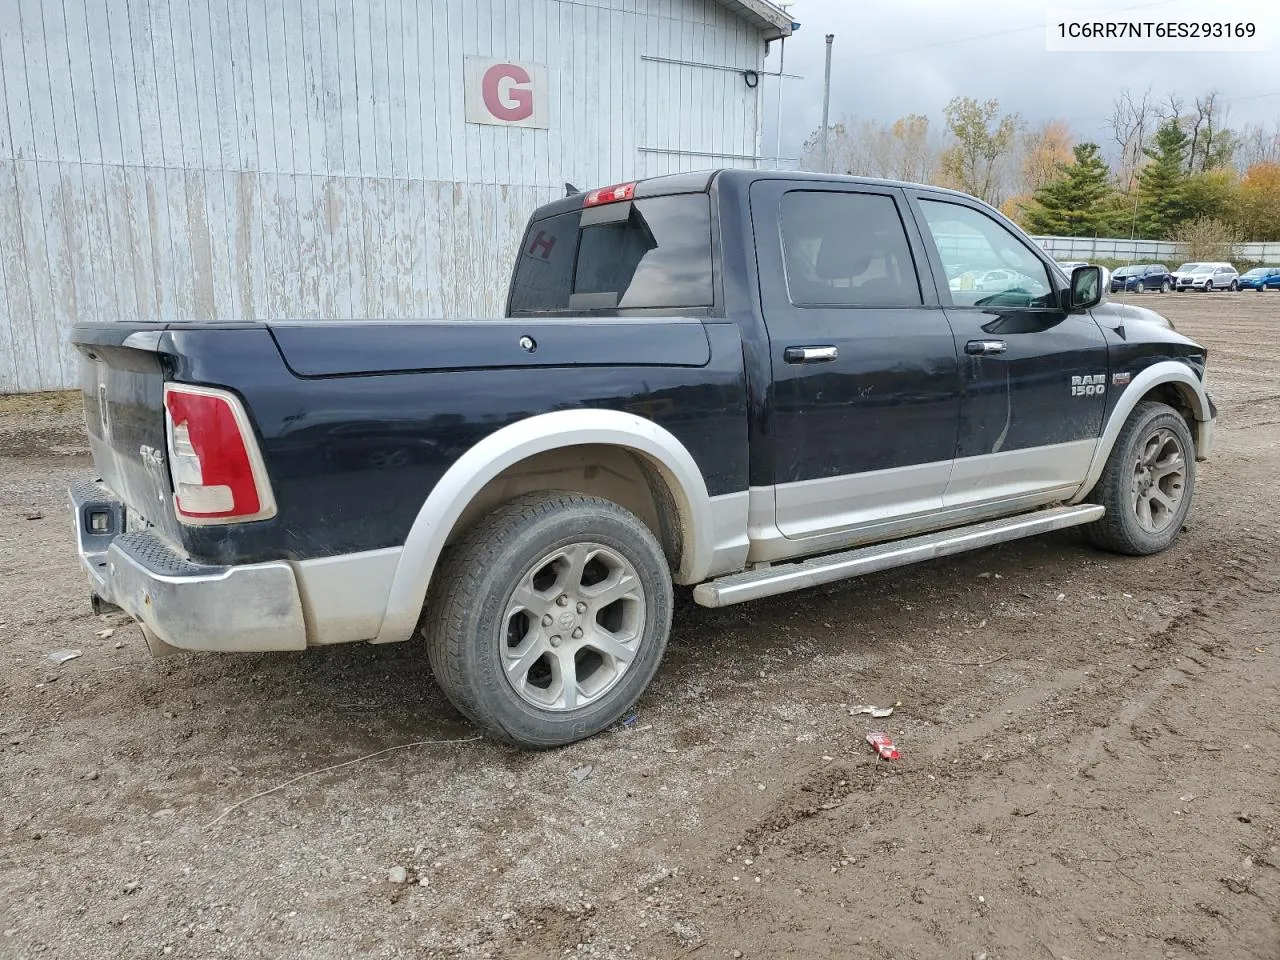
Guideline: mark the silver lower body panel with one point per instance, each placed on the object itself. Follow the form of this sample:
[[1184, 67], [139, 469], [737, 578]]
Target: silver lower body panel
[[784, 578]]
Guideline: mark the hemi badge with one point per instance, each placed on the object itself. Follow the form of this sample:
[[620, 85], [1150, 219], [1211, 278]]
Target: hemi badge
[[1120, 379]]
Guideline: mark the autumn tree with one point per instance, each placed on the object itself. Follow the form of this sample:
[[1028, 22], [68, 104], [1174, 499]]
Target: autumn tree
[[1162, 183], [854, 147], [1076, 202], [916, 150], [1259, 202], [983, 139], [906, 149], [1044, 149]]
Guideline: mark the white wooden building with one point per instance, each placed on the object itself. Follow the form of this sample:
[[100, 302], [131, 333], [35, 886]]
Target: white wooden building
[[245, 159]]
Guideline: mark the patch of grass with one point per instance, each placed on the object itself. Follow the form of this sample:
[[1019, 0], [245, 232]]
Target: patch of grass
[[55, 401]]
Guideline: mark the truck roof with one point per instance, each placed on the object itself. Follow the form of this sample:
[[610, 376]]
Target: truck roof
[[701, 180]]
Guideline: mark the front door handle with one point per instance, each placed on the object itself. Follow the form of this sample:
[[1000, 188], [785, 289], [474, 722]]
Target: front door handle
[[810, 354], [985, 348]]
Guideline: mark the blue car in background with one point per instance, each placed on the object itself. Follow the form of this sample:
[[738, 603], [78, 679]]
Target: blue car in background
[[1142, 277], [1261, 278]]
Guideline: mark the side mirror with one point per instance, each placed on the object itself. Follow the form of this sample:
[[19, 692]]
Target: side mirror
[[1090, 286]]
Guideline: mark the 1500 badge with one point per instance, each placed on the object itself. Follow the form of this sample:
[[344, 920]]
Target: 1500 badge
[[1089, 386]]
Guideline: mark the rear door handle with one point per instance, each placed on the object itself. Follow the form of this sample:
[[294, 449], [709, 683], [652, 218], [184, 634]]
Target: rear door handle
[[810, 354], [985, 348]]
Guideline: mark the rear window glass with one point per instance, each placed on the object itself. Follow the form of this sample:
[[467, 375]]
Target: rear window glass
[[658, 257], [846, 250]]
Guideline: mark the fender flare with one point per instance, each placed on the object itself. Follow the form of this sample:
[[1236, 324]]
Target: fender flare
[[519, 441], [1165, 372]]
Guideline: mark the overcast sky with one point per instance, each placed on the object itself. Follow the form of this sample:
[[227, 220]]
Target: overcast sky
[[912, 56]]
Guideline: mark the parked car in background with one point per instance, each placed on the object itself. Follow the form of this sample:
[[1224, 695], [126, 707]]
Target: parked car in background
[[1261, 278], [1142, 277], [1069, 265], [1208, 277], [997, 280]]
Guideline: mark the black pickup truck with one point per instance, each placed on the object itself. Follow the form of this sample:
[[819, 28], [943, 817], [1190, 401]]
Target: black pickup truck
[[746, 382]]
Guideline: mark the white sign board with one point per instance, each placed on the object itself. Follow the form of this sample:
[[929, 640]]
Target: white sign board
[[506, 93]]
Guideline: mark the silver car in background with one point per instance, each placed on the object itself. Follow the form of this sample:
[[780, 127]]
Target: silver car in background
[[1207, 277]]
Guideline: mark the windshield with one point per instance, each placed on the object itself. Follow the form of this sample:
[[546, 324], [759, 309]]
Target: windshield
[[1189, 268], [1126, 271], [1257, 272]]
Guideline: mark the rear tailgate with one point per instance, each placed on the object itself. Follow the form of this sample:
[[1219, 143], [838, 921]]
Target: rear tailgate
[[122, 378]]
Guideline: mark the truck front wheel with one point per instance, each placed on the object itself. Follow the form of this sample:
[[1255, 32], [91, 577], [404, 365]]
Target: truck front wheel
[[547, 619], [1147, 483]]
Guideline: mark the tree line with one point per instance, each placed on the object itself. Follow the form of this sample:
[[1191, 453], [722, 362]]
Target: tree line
[[1167, 170]]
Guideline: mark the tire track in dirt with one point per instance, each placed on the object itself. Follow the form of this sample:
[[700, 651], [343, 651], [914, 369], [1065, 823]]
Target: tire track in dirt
[[1201, 627]]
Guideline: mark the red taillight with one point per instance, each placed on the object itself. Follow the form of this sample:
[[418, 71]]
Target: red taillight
[[218, 474], [614, 194]]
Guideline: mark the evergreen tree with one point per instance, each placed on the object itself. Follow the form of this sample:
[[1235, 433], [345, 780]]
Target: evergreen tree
[[1076, 203], [1162, 183]]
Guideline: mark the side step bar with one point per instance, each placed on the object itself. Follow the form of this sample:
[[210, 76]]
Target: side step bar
[[784, 578]]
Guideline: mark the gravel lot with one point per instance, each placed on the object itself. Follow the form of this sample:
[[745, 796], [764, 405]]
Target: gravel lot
[[1090, 768]]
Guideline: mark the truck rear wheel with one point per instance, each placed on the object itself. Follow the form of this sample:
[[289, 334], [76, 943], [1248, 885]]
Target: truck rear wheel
[[547, 619], [1147, 483]]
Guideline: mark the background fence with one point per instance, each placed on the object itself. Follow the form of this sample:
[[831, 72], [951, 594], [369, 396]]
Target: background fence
[[1105, 248]]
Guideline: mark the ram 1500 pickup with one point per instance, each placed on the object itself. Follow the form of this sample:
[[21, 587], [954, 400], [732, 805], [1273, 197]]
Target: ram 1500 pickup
[[745, 382]]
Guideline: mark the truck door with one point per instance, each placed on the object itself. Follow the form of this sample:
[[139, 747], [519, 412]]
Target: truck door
[[864, 401], [1035, 376]]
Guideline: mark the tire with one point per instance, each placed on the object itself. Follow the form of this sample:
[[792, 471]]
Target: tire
[[1152, 435], [1164, 287], [1140, 288], [533, 548], [1234, 286], [1208, 286]]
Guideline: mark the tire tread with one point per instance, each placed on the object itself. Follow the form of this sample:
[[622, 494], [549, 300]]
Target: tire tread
[[1111, 532]]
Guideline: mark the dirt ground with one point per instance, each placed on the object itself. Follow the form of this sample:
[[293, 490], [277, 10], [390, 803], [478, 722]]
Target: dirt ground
[[1090, 758]]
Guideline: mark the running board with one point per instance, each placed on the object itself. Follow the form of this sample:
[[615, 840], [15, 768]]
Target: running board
[[784, 578]]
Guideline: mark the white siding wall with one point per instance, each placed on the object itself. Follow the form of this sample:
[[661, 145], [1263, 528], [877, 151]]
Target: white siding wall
[[225, 159]]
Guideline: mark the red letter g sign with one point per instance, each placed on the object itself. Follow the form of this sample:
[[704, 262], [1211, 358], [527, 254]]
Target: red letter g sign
[[506, 92]]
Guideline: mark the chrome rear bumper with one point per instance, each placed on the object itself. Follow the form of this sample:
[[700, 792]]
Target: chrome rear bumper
[[191, 606]]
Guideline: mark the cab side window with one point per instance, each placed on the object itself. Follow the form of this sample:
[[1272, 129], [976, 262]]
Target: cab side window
[[985, 263], [846, 250]]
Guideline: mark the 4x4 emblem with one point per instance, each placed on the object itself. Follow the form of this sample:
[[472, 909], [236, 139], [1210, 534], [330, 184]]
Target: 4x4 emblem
[[151, 456], [1090, 385]]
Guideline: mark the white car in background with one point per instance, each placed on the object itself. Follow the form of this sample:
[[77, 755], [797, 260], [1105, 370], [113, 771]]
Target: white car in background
[[1069, 265], [1207, 277]]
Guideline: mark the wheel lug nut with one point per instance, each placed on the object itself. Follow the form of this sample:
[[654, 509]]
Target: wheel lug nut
[[562, 600], [582, 607], [577, 634], [555, 641], [547, 620]]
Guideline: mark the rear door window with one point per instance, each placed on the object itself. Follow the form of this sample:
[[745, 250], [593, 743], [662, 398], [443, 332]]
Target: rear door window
[[653, 253], [846, 250]]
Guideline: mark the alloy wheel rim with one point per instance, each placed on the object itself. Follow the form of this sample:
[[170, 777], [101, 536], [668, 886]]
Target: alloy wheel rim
[[573, 627], [1159, 481]]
